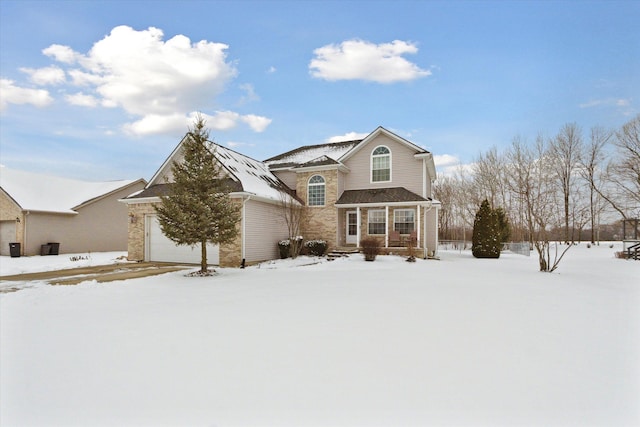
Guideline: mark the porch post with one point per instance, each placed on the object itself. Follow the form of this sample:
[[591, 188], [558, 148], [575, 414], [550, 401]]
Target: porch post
[[386, 223], [418, 229], [359, 221]]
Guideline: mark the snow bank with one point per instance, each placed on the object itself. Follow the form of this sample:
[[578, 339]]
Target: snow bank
[[459, 341], [33, 264]]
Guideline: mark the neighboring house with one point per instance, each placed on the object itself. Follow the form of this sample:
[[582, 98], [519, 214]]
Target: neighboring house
[[81, 216], [379, 186]]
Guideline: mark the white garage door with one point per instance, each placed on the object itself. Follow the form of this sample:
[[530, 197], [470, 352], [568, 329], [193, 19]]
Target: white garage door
[[7, 235], [162, 249]]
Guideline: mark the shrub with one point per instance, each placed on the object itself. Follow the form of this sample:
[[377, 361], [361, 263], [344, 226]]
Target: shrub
[[316, 247], [487, 233], [283, 247], [370, 248]]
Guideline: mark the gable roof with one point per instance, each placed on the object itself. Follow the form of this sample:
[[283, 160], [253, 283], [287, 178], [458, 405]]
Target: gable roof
[[250, 175], [309, 153], [332, 153], [44, 193]]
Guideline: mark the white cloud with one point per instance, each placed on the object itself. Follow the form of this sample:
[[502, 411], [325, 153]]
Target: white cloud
[[12, 94], [362, 60], [250, 93], [349, 136], [606, 102], [272, 70], [82, 100], [159, 81], [442, 160], [153, 124], [256, 123], [61, 53], [45, 76]]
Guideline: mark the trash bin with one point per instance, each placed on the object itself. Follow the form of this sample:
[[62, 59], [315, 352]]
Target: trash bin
[[45, 250], [55, 248], [14, 249]]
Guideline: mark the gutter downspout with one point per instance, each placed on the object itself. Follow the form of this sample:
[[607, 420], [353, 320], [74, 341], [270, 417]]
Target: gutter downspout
[[424, 245]]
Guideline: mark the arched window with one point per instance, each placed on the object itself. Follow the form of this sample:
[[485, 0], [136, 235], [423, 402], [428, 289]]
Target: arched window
[[316, 191], [381, 164]]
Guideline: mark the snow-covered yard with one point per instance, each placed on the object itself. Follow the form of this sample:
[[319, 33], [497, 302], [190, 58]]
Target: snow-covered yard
[[459, 341]]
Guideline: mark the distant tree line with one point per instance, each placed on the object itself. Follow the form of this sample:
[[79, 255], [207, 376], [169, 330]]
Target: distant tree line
[[570, 187]]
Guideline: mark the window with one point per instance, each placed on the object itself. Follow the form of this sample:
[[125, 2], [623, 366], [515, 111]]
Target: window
[[377, 222], [404, 220], [316, 191], [381, 164]]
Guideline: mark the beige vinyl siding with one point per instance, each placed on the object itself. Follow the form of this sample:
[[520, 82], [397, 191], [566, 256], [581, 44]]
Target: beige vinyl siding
[[264, 228], [98, 227], [404, 167], [288, 177], [431, 224]]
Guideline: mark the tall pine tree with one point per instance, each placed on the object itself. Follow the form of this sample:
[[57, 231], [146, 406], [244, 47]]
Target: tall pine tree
[[197, 208], [486, 233]]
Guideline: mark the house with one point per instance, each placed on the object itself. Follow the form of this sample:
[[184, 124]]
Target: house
[[80, 216], [379, 186]]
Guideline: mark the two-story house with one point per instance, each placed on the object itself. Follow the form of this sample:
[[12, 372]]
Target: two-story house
[[379, 186]]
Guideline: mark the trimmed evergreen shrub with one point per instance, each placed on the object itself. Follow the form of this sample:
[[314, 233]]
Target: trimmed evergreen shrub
[[486, 233], [316, 247], [370, 248]]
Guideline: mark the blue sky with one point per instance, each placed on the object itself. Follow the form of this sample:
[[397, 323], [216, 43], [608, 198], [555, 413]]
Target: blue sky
[[105, 90]]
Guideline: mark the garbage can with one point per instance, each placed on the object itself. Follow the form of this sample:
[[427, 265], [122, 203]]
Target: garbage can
[[14, 249], [55, 248], [45, 249]]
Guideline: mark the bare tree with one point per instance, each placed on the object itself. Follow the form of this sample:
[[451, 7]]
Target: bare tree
[[294, 214], [565, 152], [592, 170], [533, 183], [626, 167]]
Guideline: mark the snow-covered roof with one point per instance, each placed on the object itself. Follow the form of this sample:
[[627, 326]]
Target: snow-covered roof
[[254, 175], [38, 192], [302, 155]]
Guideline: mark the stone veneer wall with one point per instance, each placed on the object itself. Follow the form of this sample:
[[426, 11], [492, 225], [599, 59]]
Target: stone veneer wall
[[137, 212], [230, 254], [322, 221]]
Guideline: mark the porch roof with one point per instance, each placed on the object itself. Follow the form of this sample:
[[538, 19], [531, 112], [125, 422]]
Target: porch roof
[[370, 196]]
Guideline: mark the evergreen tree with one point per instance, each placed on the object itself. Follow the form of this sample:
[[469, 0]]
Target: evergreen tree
[[486, 233], [197, 208]]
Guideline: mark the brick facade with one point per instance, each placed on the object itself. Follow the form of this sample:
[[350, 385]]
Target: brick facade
[[322, 221]]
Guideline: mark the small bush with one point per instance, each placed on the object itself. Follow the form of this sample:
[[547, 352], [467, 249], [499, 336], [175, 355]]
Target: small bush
[[316, 247], [370, 248], [621, 254], [283, 247]]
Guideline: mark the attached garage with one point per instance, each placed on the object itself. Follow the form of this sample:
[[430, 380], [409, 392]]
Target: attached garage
[[160, 248], [7, 236]]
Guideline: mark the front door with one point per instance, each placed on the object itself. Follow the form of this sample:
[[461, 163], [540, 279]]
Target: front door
[[352, 227]]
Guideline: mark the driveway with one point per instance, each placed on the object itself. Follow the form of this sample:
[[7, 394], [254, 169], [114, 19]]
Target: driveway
[[99, 273]]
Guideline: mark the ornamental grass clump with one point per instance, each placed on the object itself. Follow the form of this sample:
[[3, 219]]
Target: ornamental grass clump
[[316, 247], [370, 248]]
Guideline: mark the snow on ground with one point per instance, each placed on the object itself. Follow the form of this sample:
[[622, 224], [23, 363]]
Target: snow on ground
[[34, 264], [460, 341]]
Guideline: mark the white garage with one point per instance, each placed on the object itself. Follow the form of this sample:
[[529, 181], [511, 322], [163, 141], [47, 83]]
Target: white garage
[[161, 249]]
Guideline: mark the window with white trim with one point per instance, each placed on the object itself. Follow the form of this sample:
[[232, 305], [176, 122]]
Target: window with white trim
[[404, 220], [316, 192], [377, 221], [381, 164]]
